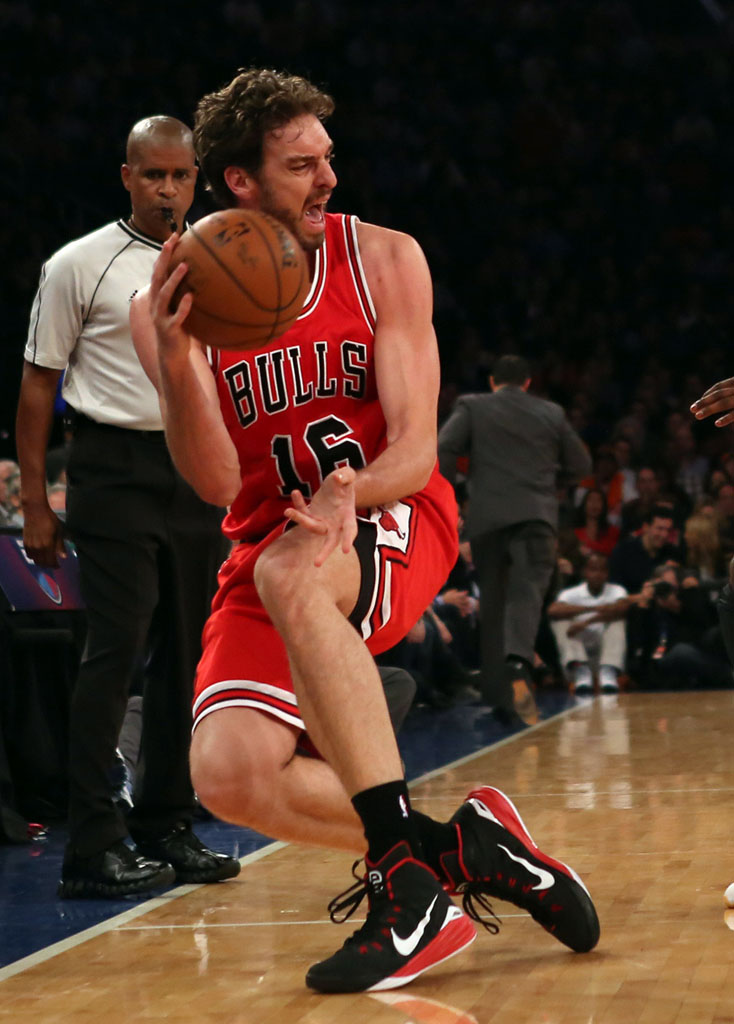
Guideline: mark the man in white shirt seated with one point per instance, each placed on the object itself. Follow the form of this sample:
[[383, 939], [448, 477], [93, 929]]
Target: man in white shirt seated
[[588, 623]]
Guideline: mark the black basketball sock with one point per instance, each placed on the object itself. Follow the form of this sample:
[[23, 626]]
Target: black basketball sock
[[387, 819], [436, 839]]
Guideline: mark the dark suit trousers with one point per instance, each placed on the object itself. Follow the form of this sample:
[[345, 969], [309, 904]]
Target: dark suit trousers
[[149, 550], [515, 565]]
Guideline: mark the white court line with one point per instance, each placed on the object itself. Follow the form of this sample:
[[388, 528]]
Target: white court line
[[33, 959], [197, 926]]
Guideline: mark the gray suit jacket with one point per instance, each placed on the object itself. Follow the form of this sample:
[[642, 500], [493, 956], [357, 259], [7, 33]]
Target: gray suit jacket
[[521, 448]]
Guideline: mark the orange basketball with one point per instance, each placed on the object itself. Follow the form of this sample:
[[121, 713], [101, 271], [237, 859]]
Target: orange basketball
[[248, 276]]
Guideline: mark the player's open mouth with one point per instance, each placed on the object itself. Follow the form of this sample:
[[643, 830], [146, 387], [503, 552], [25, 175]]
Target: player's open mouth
[[315, 215]]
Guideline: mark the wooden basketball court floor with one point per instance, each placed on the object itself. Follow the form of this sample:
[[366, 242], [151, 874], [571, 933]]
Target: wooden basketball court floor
[[636, 792]]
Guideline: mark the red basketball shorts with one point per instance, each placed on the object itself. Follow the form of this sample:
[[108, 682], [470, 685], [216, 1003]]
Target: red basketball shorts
[[406, 553]]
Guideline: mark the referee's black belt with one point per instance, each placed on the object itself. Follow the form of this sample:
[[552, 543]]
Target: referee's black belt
[[78, 419]]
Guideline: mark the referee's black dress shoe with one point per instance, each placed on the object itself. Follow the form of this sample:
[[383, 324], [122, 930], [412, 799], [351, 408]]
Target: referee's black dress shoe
[[190, 859], [116, 871]]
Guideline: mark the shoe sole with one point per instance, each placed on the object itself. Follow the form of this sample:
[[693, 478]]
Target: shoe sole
[[508, 816], [453, 938], [84, 888]]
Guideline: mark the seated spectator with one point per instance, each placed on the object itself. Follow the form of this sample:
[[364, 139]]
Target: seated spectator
[[648, 493], [623, 453], [680, 504], [726, 461], [724, 511], [703, 548], [588, 624], [715, 477], [689, 466], [632, 562], [11, 513], [705, 506], [607, 479], [593, 530], [457, 606], [9, 472], [426, 654], [673, 639]]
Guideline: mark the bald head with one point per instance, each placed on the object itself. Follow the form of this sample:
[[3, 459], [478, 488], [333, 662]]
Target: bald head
[[158, 130], [160, 175]]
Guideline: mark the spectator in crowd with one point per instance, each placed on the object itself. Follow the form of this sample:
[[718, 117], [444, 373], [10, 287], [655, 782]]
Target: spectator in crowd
[[518, 445], [148, 547], [588, 624], [726, 464], [672, 636], [457, 605], [648, 494], [425, 655], [606, 478], [688, 466], [633, 559], [724, 512], [713, 480], [703, 551], [679, 503], [594, 531], [624, 454], [10, 511]]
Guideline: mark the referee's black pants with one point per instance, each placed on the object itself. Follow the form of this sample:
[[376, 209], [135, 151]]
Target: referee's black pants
[[148, 550]]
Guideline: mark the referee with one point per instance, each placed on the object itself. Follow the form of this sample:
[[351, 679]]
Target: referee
[[148, 547]]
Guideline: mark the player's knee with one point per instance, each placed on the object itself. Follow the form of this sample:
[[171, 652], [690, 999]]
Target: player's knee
[[279, 577], [236, 780], [223, 780]]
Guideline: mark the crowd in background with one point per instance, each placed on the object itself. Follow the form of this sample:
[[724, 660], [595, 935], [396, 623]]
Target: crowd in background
[[565, 165]]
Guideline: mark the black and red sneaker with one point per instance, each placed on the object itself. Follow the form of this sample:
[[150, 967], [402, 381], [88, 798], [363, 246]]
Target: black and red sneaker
[[411, 926], [498, 857]]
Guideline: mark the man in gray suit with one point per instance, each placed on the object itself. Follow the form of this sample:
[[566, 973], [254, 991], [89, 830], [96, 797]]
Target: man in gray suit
[[521, 449]]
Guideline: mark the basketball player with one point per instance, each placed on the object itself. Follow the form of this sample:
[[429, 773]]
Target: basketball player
[[330, 431], [148, 547]]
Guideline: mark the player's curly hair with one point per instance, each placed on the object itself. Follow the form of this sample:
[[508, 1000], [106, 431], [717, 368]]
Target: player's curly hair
[[231, 123]]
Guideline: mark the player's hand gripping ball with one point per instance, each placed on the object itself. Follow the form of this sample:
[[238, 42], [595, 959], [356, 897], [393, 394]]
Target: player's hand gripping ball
[[248, 276]]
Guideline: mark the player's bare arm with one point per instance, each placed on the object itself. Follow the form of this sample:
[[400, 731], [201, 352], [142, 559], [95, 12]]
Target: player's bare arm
[[406, 365], [197, 437], [145, 341], [719, 398]]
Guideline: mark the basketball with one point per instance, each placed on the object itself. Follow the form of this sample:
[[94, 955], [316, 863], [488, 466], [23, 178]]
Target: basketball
[[248, 277]]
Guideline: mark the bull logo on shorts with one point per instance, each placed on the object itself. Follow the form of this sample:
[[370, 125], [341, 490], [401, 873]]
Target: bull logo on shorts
[[389, 523]]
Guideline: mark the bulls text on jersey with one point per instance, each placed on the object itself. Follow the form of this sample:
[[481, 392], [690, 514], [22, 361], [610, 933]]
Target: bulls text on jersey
[[271, 381]]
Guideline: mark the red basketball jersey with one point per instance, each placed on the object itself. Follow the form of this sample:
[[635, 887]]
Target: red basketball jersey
[[308, 402]]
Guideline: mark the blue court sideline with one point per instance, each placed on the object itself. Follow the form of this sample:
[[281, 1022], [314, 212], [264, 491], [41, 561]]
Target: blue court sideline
[[33, 918]]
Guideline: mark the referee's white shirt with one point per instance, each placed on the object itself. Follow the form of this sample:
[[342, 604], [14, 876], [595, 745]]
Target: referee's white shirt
[[80, 321]]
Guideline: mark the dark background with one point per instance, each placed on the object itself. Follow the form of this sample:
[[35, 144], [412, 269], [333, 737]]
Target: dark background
[[566, 166]]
